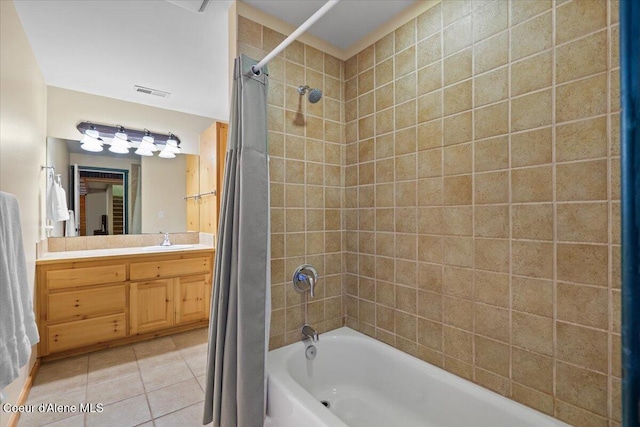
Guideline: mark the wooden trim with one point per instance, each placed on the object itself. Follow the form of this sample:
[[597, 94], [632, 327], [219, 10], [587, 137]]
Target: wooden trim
[[222, 136], [127, 340], [24, 394]]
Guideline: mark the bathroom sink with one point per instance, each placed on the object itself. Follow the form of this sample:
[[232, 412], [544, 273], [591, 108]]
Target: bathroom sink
[[159, 248]]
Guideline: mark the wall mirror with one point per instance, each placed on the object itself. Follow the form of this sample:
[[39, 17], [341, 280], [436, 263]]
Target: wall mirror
[[119, 193]]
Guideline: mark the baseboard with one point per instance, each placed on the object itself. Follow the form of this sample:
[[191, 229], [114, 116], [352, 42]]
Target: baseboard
[[24, 394]]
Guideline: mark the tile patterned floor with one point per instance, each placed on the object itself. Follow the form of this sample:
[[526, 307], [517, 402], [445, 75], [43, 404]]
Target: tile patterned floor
[[152, 383]]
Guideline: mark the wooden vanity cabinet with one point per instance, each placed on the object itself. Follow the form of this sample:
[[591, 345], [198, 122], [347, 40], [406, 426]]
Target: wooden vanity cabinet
[[88, 304]]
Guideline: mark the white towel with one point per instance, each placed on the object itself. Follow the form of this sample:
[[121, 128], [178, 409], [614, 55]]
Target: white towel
[[60, 209], [70, 230], [57, 202], [18, 330]]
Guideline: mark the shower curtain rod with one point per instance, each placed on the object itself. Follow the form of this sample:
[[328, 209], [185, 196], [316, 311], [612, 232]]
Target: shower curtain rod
[[301, 29]]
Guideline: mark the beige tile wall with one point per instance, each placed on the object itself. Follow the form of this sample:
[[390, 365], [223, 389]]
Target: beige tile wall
[[83, 243], [306, 150], [482, 198]]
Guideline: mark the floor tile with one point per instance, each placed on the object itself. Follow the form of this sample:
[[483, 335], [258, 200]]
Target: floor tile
[[43, 386], [36, 418], [75, 421], [126, 413], [202, 380], [165, 375], [60, 376], [174, 397], [115, 390], [111, 356], [189, 416], [154, 347], [197, 364], [153, 361], [191, 338], [107, 373]]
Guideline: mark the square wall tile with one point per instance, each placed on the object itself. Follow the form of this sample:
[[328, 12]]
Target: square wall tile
[[583, 388], [581, 181], [532, 296], [491, 53], [582, 57], [575, 19], [583, 263], [586, 139], [583, 222], [532, 184], [490, 87], [581, 98], [532, 148], [532, 73], [531, 36], [531, 111]]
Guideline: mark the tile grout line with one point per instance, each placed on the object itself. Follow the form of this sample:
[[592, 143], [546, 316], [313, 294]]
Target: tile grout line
[[554, 205]]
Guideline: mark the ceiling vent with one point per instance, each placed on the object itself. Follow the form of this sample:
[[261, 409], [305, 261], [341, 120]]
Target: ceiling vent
[[149, 91]]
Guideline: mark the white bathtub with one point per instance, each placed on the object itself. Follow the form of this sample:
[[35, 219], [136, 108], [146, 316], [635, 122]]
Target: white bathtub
[[368, 383]]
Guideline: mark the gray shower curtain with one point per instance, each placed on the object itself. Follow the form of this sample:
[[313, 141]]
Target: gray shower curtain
[[235, 392]]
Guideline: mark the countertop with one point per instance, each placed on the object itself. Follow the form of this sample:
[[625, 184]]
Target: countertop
[[114, 252]]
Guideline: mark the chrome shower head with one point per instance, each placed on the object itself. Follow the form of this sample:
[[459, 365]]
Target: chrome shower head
[[314, 94]]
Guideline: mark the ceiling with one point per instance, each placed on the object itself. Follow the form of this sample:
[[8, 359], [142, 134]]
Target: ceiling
[[346, 23], [105, 47]]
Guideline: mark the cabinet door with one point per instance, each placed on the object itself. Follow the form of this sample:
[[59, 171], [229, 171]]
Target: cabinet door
[[192, 298], [151, 305]]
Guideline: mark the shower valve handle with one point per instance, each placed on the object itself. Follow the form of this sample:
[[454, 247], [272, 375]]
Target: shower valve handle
[[305, 278]]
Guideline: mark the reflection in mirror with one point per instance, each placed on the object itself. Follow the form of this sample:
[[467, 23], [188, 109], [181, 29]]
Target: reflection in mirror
[[150, 191], [101, 200]]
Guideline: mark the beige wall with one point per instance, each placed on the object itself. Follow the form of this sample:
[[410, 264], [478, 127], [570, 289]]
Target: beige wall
[[22, 145], [305, 145], [164, 186], [66, 108], [482, 198]]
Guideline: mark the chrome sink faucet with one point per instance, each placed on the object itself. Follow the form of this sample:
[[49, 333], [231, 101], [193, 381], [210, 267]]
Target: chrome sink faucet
[[309, 333], [166, 241]]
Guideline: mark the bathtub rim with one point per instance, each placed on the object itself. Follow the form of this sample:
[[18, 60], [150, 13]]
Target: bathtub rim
[[283, 378]]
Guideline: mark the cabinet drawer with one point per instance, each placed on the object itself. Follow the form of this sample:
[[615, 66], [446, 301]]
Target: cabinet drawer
[[85, 332], [178, 267], [85, 276], [79, 305]]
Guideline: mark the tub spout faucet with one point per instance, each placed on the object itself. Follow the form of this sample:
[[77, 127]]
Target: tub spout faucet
[[309, 333]]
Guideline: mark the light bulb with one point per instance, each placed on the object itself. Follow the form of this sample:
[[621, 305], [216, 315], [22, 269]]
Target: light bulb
[[142, 152], [90, 143], [118, 149], [166, 154]]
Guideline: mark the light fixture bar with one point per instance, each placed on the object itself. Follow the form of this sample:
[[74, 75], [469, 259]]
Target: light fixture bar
[[106, 131]]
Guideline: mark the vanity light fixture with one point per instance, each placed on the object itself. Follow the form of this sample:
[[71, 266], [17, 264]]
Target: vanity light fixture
[[91, 141], [120, 140], [120, 143]]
